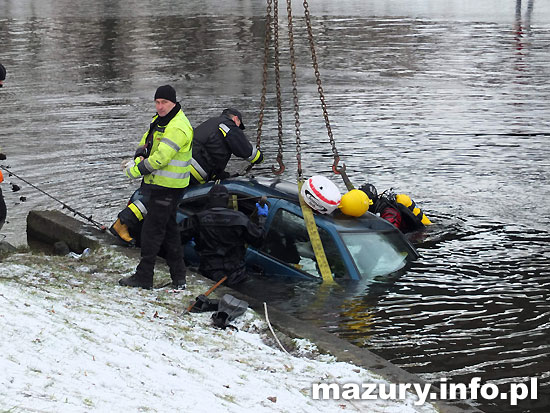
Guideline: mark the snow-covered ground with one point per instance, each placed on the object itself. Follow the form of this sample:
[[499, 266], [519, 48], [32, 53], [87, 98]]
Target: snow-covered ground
[[72, 340]]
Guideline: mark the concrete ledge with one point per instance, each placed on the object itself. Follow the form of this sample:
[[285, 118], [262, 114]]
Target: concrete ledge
[[53, 226]]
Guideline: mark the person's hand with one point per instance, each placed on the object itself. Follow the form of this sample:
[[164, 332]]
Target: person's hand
[[126, 163], [262, 210], [141, 151], [129, 163]]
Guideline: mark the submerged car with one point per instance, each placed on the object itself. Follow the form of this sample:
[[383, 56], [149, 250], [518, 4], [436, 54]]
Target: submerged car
[[356, 248]]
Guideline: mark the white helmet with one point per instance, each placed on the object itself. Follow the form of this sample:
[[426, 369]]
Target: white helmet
[[321, 194]]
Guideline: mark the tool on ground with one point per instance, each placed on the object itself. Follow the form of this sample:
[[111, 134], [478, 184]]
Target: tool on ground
[[74, 211], [206, 294], [229, 308]]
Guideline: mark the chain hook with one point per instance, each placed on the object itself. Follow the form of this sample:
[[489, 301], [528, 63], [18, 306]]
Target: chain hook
[[281, 166], [342, 172], [335, 168]]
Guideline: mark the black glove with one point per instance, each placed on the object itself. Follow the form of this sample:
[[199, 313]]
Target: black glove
[[2, 157], [141, 151], [222, 175]]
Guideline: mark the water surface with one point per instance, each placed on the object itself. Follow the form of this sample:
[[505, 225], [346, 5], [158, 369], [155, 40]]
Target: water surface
[[446, 101]]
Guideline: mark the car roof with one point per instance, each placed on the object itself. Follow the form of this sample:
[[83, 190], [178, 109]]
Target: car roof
[[274, 187], [288, 191]]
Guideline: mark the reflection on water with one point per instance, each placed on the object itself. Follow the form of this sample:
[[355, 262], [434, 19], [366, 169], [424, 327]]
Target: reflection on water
[[447, 101]]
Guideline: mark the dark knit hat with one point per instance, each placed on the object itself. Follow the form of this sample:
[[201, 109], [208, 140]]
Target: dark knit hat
[[2, 72], [234, 112], [218, 196], [166, 92]]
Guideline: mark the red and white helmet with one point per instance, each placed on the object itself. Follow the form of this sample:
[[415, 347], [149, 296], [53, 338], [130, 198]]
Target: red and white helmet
[[321, 194]]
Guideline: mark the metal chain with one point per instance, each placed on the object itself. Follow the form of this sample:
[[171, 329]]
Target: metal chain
[[294, 88], [320, 87], [264, 83], [278, 88]]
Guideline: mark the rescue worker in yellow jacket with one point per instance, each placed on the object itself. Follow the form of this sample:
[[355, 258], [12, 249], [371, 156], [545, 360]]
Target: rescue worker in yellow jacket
[[163, 161]]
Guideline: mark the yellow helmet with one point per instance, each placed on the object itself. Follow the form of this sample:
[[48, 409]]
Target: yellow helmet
[[355, 203]]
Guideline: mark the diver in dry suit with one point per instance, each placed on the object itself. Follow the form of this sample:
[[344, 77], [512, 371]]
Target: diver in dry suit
[[214, 141], [221, 235], [398, 209]]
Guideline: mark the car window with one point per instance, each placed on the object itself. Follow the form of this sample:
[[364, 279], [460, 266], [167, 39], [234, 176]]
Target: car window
[[288, 241], [376, 253]]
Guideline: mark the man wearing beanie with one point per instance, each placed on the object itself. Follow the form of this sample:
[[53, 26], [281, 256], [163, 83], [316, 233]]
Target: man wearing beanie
[[162, 161], [2, 74]]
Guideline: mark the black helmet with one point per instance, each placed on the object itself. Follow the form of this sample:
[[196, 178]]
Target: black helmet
[[218, 196], [371, 191]]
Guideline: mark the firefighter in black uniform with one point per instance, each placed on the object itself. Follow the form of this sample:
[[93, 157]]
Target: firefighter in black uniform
[[3, 209], [3, 212], [214, 141], [221, 235]]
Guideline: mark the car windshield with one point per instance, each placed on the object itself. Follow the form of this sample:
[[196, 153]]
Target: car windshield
[[376, 253]]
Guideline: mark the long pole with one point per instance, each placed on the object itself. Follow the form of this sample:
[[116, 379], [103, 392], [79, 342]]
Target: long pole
[[74, 211]]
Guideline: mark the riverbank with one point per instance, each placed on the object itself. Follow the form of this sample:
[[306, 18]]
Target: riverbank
[[73, 340]]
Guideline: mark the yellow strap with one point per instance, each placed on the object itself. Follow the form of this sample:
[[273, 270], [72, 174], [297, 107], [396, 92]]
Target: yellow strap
[[315, 239], [258, 153], [234, 203], [196, 175], [136, 211]]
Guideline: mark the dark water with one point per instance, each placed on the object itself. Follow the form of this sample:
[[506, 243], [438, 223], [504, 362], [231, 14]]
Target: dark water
[[446, 101]]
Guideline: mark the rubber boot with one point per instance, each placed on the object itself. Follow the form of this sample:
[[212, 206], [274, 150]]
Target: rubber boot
[[135, 281], [120, 230], [179, 284]]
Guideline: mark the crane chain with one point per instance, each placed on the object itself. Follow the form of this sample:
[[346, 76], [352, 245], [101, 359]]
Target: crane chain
[[264, 82], [278, 90], [320, 88], [294, 88]]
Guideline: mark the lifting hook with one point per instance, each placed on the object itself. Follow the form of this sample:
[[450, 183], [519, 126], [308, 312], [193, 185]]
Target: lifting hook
[[281, 166], [342, 171], [335, 166]]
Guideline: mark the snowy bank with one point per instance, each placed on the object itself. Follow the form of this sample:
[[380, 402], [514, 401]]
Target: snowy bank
[[72, 340]]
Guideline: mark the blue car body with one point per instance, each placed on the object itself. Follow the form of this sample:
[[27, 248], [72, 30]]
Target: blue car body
[[356, 248]]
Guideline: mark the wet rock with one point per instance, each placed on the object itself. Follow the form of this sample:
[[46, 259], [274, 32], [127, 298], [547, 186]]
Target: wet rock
[[6, 247], [61, 248]]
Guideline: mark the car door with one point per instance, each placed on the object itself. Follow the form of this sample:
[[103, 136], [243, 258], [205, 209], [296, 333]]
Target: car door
[[287, 250]]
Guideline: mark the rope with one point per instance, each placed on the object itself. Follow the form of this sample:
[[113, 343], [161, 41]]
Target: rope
[[271, 329]]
